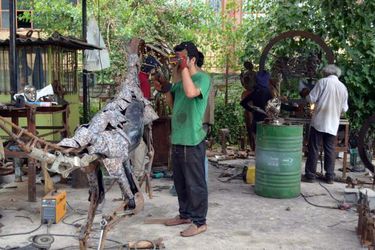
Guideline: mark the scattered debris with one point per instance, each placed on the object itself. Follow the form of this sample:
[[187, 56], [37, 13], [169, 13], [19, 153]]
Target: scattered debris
[[146, 244]]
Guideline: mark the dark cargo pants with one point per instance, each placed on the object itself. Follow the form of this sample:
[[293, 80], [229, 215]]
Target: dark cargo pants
[[189, 181]]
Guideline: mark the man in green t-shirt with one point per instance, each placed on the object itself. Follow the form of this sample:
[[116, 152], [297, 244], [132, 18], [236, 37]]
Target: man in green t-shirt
[[188, 99]]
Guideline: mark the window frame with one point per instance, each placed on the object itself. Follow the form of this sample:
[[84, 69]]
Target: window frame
[[17, 11]]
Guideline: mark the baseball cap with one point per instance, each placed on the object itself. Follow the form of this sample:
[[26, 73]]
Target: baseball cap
[[149, 63]]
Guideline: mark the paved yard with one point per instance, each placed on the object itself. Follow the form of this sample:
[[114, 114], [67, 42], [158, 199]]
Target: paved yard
[[237, 219]]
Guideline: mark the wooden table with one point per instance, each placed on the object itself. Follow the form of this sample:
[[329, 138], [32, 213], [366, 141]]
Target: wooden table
[[30, 113], [339, 148]]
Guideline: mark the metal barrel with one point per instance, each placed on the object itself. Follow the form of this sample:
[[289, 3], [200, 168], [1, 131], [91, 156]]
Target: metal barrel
[[278, 160]]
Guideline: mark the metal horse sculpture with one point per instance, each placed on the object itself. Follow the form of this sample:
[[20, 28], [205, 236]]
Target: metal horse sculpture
[[106, 141]]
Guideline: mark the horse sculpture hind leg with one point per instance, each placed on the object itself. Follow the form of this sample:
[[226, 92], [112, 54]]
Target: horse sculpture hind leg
[[94, 197]]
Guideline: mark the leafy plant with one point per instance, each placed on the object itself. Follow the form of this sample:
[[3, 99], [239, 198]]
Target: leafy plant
[[228, 115]]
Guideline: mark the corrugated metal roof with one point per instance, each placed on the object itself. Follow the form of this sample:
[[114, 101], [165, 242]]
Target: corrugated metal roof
[[55, 39]]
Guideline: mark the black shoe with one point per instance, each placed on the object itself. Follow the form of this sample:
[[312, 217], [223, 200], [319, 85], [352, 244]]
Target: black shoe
[[329, 180], [307, 179]]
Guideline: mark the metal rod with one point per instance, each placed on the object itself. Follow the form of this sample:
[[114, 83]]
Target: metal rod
[[84, 73], [12, 48]]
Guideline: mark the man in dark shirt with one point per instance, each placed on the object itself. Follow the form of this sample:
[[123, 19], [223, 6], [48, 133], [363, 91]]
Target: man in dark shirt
[[259, 96]]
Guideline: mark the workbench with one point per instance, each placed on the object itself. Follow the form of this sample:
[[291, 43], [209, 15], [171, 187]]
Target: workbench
[[340, 147], [30, 113]]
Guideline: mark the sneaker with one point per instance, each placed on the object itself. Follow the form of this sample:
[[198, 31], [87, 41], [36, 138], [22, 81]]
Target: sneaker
[[177, 221], [193, 230], [304, 178]]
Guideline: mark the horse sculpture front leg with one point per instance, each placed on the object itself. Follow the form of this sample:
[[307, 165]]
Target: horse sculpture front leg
[[94, 198]]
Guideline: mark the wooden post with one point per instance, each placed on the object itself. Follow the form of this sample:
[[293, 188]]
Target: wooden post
[[224, 134], [31, 171]]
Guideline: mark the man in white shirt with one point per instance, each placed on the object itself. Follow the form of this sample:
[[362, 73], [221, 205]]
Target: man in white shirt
[[331, 99]]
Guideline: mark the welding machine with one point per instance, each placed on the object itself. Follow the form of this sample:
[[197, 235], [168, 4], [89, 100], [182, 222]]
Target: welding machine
[[53, 207]]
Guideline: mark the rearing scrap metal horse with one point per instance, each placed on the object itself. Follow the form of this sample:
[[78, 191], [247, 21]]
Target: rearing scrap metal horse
[[106, 141]]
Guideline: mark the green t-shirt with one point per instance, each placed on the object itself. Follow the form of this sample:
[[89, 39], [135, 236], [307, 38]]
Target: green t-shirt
[[187, 114]]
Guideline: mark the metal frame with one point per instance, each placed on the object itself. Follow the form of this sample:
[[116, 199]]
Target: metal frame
[[291, 34]]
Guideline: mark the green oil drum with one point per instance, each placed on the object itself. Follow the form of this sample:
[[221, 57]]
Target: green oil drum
[[278, 160]]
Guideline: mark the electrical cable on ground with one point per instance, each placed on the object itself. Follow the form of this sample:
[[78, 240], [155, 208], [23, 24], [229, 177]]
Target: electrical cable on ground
[[78, 211], [317, 205], [330, 194], [94, 238], [15, 234]]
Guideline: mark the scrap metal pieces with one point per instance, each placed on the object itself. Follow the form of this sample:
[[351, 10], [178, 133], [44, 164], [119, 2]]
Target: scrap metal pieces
[[110, 220], [273, 109], [366, 223]]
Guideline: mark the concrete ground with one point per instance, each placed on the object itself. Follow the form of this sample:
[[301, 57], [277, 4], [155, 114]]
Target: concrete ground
[[237, 218]]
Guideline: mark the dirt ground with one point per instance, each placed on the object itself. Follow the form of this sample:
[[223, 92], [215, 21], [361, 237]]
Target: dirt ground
[[237, 218]]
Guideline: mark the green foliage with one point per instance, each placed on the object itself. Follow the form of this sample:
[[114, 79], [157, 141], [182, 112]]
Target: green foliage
[[54, 15], [169, 21], [346, 26], [94, 108], [228, 115]]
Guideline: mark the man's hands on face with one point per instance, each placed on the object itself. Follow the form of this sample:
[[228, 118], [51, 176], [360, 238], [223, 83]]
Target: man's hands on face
[[182, 58]]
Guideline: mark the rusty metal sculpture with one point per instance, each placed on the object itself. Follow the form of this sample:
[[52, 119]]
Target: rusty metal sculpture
[[302, 66], [366, 146], [106, 141], [366, 223], [291, 34]]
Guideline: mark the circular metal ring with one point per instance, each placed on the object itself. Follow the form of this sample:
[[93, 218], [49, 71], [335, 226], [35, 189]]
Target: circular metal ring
[[295, 33]]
